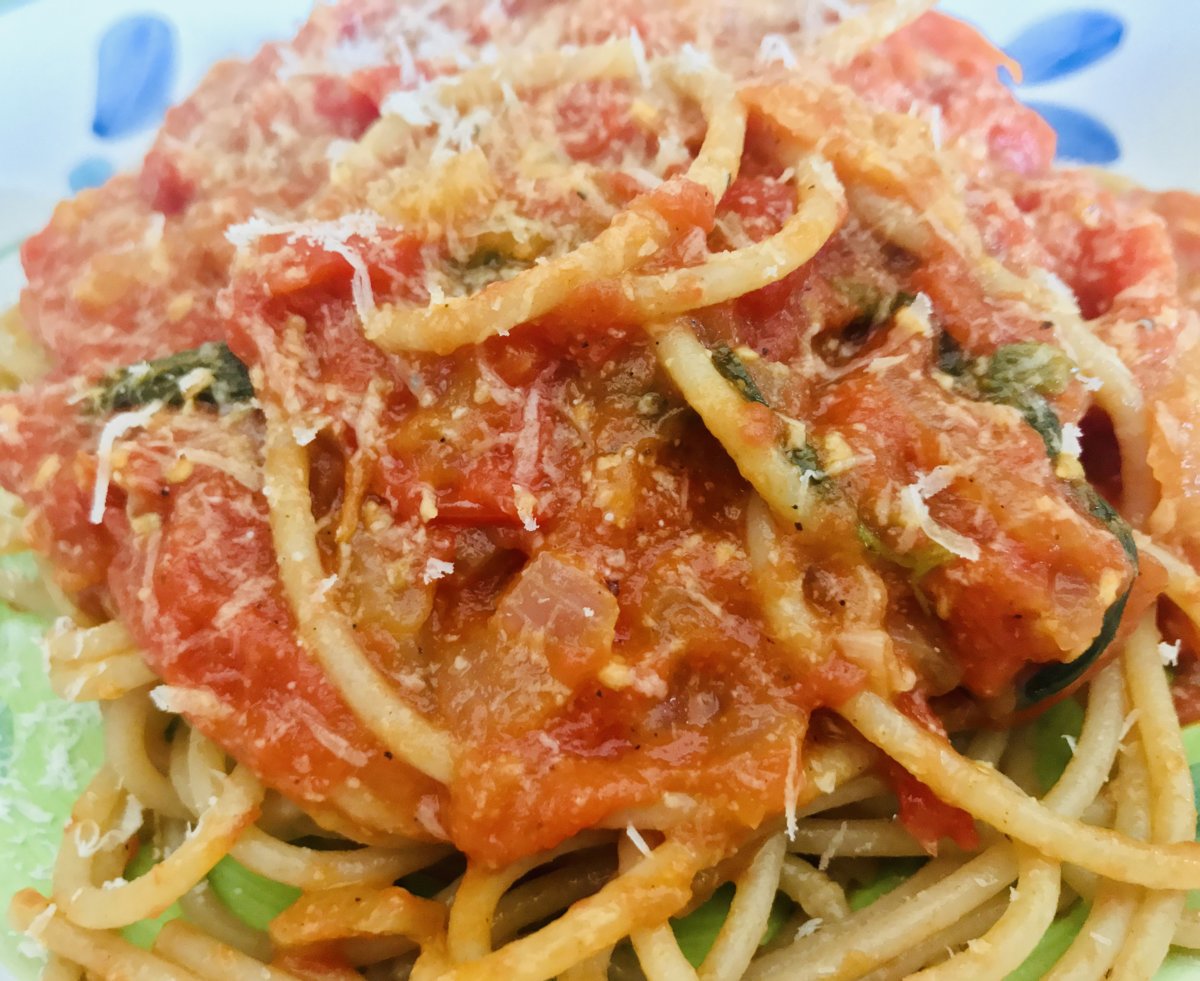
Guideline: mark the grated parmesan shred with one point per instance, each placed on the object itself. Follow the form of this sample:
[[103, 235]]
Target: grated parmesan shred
[[916, 512], [116, 427], [775, 50], [638, 841], [331, 236], [791, 789]]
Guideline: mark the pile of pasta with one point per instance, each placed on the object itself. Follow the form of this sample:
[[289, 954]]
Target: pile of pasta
[[540, 492]]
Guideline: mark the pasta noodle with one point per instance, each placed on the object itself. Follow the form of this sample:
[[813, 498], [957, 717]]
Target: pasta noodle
[[584, 493]]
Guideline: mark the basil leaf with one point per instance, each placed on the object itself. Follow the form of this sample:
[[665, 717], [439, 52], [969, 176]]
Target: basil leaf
[[159, 381], [734, 371]]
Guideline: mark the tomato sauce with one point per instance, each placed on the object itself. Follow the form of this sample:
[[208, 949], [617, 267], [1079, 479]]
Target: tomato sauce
[[536, 540]]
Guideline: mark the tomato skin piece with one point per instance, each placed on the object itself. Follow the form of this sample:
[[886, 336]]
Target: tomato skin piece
[[163, 185], [925, 815], [345, 104]]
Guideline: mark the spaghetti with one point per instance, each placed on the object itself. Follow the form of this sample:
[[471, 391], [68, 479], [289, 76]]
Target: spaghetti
[[600, 494]]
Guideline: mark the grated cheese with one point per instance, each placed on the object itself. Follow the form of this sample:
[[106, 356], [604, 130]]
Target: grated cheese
[[114, 429], [37, 926], [775, 50], [1070, 439], [196, 702], [638, 841], [835, 843], [809, 927], [791, 789], [1169, 653], [331, 236], [89, 841], [693, 61], [639, 57], [526, 507], [436, 569], [916, 512]]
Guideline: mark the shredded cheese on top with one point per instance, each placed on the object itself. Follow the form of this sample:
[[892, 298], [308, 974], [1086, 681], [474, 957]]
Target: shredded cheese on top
[[332, 236], [775, 50], [916, 512], [436, 569], [114, 429], [638, 841], [1169, 653], [1070, 439]]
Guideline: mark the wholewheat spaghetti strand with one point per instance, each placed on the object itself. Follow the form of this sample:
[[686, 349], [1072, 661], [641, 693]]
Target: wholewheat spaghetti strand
[[355, 911], [94, 907], [485, 85], [631, 237], [813, 890], [689, 364], [821, 207], [313, 868], [469, 933], [1114, 904], [657, 887], [993, 798], [183, 944], [1172, 801], [737, 940], [103, 953], [842, 952], [1006, 945], [547, 895], [126, 724], [324, 629]]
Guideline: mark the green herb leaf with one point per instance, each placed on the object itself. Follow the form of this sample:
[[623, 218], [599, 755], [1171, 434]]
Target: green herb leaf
[[806, 460], [1028, 366], [1042, 419], [1053, 678], [254, 899], [734, 371], [159, 381], [920, 561], [875, 307]]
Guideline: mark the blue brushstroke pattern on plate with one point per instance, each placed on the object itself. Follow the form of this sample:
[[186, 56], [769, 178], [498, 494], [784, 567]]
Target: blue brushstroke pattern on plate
[[1057, 47]]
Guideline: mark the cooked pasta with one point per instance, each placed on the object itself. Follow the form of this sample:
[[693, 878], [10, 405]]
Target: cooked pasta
[[682, 492]]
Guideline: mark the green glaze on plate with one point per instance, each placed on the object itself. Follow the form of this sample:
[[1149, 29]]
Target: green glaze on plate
[[48, 750]]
